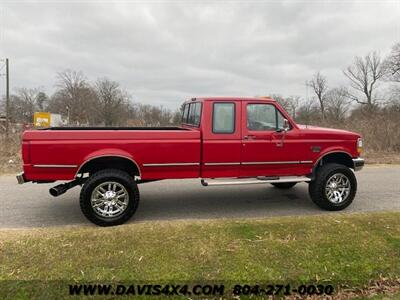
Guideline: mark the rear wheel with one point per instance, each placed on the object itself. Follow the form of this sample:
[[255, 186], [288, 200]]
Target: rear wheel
[[334, 187], [284, 185], [109, 197]]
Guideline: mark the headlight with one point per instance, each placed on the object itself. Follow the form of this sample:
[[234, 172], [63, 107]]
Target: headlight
[[359, 145]]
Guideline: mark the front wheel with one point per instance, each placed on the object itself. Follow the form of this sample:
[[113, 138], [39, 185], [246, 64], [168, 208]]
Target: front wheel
[[334, 187], [109, 197]]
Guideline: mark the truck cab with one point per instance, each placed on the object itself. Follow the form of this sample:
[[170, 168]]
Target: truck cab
[[250, 137]]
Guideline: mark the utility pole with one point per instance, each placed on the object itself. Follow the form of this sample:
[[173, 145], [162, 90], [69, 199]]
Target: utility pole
[[7, 99]]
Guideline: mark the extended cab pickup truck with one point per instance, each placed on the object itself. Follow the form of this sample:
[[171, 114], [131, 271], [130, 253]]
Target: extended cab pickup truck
[[222, 141]]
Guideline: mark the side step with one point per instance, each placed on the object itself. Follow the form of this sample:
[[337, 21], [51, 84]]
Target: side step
[[258, 180]]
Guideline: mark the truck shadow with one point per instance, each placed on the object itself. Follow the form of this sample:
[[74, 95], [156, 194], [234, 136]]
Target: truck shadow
[[172, 200], [164, 200]]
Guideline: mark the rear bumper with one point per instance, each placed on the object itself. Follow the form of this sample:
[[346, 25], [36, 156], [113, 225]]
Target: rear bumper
[[358, 163], [21, 178]]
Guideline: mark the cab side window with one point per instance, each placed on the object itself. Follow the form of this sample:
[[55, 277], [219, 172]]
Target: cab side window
[[223, 117]]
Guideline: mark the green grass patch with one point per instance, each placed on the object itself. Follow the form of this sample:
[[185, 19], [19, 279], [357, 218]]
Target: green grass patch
[[336, 249]]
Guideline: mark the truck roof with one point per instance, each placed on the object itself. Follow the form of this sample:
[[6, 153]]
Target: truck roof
[[267, 99]]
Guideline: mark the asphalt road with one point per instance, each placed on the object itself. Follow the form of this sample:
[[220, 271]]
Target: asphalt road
[[30, 205]]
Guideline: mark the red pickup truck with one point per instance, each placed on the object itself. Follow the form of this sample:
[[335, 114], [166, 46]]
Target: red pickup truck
[[222, 141]]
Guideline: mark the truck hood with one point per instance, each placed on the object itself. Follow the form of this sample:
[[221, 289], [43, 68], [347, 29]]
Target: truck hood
[[329, 132]]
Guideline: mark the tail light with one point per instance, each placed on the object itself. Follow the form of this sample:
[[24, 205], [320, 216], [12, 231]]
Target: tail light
[[25, 152]]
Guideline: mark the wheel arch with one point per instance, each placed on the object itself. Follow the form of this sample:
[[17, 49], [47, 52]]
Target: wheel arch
[[336, 156], [96, 163]]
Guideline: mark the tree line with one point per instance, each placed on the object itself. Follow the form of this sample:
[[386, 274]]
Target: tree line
[[365, 75], [362, 105], [83, 103]]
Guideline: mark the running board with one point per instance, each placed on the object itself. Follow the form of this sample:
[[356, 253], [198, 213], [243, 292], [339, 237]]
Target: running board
[[258, 180]]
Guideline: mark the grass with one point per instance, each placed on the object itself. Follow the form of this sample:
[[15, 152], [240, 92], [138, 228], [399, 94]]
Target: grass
[[332, 249]]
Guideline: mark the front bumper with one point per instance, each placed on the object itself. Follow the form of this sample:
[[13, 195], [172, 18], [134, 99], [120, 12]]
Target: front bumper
[[358, 163], [21, 178]]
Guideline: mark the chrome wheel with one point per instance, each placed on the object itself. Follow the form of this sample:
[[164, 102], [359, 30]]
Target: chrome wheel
[[337, 188], [109, 199]]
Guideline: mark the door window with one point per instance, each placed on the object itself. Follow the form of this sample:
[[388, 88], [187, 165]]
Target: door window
[[263, 117]]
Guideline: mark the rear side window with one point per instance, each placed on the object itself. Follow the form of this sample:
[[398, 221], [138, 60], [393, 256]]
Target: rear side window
[[197, 114], [223, 118], [191, 114], [185, 113]]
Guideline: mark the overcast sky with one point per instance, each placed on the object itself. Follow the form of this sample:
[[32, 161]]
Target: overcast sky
[[165, 52]]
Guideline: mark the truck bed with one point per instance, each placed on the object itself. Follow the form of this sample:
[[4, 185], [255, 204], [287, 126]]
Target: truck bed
[[159, 152], [116, 128]]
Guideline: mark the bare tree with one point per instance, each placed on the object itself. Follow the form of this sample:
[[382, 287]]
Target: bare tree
[[319, 85], [338, 104], [177, 117], [307, 112], [25, 102], [294, 102], [392, 63], [14, 111], [149, 115], [74, 98], [290, 104], [281, 100], [364, 74], [113, 102], [42, 101]]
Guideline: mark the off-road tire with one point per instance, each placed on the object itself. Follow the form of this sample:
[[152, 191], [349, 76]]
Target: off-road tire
[[284, 185], [316, 187], [105, 175]]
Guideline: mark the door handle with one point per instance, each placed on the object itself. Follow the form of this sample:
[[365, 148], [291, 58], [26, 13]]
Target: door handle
[[281, 140], [249, 137]]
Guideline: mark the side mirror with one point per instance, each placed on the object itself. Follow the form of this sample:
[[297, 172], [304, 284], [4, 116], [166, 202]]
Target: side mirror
[[286, 125]]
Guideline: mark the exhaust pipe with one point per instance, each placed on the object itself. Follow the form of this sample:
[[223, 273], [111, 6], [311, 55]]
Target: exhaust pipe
[[62, 188]]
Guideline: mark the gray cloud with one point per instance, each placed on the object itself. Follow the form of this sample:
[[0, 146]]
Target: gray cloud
[[164, 52]]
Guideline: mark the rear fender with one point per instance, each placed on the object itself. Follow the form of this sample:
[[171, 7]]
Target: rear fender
[[109, 152]]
